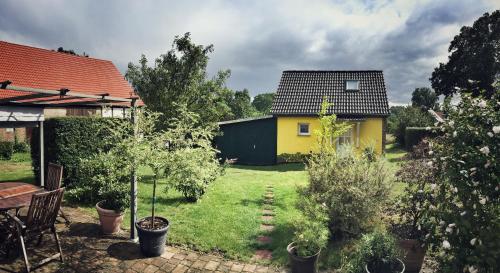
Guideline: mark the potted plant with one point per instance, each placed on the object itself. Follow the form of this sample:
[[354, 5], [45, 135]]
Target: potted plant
[[111, 209], [376, 252], [417, 175], [311, 235]]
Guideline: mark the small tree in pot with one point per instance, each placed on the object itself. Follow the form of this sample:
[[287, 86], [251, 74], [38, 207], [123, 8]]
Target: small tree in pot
[[311, 235], [418, 175], [377, 252]]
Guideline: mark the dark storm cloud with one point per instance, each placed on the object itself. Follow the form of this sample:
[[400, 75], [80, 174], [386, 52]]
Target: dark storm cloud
[[258, 39]]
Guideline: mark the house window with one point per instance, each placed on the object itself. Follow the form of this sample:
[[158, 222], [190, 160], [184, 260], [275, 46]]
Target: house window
[[352, 85], [303, 129], [345, 138]]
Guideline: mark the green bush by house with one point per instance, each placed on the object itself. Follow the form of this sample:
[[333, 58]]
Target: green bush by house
[[413, 135], [69, 139], [6, 150]]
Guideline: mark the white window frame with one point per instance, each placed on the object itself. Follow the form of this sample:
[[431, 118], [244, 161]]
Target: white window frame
[[300, 133], [341, 140], [351, 89]]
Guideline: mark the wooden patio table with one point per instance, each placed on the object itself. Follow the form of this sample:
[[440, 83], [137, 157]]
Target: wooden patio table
[[15, 195]]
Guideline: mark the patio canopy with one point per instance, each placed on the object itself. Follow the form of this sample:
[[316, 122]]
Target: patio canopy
[[23, 107]]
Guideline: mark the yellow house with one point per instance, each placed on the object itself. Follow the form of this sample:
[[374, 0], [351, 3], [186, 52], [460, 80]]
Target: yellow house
[[358, 97]]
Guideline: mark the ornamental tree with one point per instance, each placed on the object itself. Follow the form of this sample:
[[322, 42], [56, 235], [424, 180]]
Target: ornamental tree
[[462, 213]]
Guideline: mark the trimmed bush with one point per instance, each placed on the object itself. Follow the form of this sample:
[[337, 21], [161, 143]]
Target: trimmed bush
[[413, 135], [21, 147], [70, 139], [6, 150], [293, 158]]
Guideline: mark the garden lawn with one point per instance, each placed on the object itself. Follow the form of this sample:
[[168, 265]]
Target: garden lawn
[[17, 169], [227, 218]]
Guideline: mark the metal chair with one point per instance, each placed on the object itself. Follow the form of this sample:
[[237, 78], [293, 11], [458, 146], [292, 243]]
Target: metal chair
[[53, 182], [41, 218]]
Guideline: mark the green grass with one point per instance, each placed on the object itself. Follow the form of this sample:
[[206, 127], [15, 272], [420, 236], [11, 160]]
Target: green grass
[[227, 218], [17, 169], [394, 155]]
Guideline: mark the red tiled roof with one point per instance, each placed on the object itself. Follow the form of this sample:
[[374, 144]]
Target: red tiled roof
[[33, 67]]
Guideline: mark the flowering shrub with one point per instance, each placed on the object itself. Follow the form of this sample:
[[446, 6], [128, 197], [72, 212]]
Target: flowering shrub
[[463, 210]]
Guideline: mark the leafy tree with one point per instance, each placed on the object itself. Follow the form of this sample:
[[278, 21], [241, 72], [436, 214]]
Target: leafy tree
[[424, 97], [263, 102], [178, 79], [474, 61], [241, 106], [407, 117]]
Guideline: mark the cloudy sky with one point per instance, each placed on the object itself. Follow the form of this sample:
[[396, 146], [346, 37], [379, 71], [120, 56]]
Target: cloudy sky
[[256, 39]]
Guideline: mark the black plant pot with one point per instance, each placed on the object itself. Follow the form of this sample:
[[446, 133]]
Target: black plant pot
[[300, 264], [398, 267], [152, 242]]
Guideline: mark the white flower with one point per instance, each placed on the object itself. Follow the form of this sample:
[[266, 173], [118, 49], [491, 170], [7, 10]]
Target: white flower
[[449, 230], [487, 164], [455, 189], [451, 123], [429, 163], [442, 223], [451, 225], [496, 129], [455, 134], [433, 186], [463, 213], [431, 152], [485, 150], [473, 169], [446, 244], [482, 103], [428, 128], [473, 241], [482, 201], [490, 134]]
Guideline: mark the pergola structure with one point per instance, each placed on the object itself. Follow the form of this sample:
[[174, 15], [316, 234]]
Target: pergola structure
[[24, 107]]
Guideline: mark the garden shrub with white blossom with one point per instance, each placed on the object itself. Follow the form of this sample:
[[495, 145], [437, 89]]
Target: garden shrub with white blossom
[[462, 211]]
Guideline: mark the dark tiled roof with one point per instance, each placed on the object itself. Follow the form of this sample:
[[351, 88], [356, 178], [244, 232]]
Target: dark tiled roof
[[301, 93]]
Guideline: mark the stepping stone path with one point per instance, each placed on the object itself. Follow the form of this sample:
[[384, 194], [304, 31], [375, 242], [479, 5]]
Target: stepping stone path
[[267, 226]]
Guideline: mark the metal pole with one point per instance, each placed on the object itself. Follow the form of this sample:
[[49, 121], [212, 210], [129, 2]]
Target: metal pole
[[42, 156], [133, 178]]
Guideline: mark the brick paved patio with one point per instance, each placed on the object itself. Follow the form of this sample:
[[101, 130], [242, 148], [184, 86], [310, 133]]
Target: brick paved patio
[[86, 250]]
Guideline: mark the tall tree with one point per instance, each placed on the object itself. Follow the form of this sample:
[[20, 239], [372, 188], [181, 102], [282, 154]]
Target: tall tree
[[474, 63], [178, 80], [424, 97], [263, 102], [241, 106]]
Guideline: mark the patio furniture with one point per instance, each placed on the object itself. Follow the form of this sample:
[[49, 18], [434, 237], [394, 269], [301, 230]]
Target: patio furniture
[[53, 182], [41, 218]]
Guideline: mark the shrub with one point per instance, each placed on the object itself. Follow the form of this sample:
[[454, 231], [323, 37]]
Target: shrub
[[462, 213], [103, 176], [378, 250], [413, 135], [407, 117], [311, 232], [352, 188], [70, 139], [292, 158], [21, 147], [6, 150]]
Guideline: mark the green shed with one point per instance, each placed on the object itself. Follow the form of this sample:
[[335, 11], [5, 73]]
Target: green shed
[[250, 141]]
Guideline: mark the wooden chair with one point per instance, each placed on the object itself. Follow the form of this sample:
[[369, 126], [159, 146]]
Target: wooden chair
[[53, 182], [41, 218]]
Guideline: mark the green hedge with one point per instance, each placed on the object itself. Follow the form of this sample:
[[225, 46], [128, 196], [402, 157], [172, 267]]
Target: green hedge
[[292, 158], [413, 135], [69, 139], [6, 150]]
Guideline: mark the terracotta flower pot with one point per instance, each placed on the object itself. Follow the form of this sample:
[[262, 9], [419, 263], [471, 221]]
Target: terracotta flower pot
[[414, 255], [300, 264], [110, 219]]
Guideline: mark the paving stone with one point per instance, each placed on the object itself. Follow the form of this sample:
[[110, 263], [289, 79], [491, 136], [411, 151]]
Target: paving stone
[[199, 264], [139, 266], [180, 269], [267, 218], [266, 227], [249, 268], [262, 254], [192, 256], [212, 265], [150, 269], [179, 256], [167, 267], [159, 262], [168, 254], [267, 212], [264, 239], [237, 267]]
